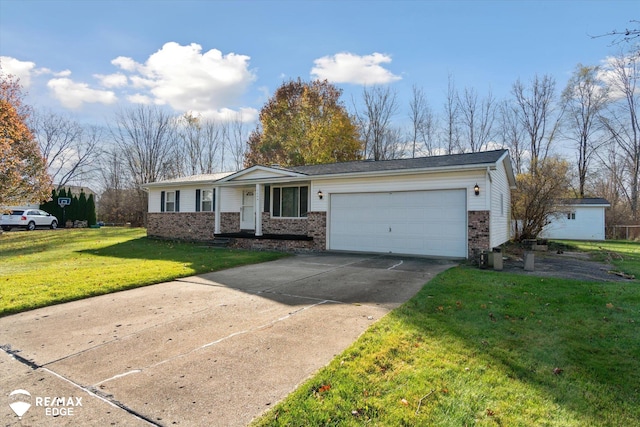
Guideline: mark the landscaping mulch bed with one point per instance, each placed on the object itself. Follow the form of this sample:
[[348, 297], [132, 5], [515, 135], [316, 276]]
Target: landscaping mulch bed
[[563, 264]]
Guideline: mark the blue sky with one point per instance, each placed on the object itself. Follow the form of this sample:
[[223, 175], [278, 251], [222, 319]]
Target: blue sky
[[221, 58]]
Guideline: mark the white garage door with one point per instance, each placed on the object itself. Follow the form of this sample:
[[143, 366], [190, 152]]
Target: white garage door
[[413, 222]]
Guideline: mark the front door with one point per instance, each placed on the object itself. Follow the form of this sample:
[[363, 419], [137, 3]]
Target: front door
[[248, 211]]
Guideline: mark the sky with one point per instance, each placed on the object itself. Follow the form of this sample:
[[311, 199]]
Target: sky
[[224, 59]]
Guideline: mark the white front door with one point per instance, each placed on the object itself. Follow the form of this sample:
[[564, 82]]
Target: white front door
[[248, 211]]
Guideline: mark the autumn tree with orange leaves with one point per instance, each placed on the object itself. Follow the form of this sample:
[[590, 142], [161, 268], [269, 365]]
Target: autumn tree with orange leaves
[[304, 123], [23, 170]]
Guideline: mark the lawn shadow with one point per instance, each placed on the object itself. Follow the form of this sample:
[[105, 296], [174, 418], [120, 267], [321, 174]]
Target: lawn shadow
[[561, 337]]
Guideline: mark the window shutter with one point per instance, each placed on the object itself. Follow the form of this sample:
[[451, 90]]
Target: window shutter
[[276, 202], [304, 201], [177, 201], [162, 201], [197, 200], [267, 198], [213, 202]]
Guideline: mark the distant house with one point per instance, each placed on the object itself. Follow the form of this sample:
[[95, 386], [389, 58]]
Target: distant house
[[579, 219], [447, 206]]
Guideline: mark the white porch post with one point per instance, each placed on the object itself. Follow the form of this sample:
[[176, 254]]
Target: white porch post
[[258, 210], [216, 229]]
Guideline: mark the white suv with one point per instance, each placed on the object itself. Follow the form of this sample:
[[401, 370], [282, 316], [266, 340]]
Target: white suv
[[29, 219]]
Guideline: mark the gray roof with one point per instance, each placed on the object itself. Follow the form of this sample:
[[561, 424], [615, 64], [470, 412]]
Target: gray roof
[[585, 201], [451, 160]]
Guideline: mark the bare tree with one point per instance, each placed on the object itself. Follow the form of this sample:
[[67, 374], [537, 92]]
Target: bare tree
[[511, 134], [538, 116], [476, 117], [422, 123], [623, 36], [380, 105], [585, 98], [235, 137], [451, 131], [70, 149], [200, 142], [146, 137], [622, 121]]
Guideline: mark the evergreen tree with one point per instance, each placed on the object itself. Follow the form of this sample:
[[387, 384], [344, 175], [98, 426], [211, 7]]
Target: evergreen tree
[[83, 213], [91, 210]]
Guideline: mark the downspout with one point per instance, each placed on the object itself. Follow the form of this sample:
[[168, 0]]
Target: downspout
[[216, 229]]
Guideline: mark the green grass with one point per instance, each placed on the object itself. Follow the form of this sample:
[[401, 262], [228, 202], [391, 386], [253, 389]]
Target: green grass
[[50, 267], [483, 348]]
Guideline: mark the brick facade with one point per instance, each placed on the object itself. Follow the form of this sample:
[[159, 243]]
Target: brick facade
[[193, 226], [478, 232], [229, 222], [200, 226], [284, 225], [315, 226]]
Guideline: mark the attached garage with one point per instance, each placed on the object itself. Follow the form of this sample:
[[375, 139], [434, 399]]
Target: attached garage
[[431, 223], [451, 206]]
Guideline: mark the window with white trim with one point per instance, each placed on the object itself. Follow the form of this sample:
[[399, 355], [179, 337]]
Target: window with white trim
[[206, 200], [571, 215], [290, 202], [170, 201]]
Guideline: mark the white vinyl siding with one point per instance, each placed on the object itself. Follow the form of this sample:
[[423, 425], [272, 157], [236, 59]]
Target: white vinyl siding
[[588, 224], [500, 217], [411, 182]]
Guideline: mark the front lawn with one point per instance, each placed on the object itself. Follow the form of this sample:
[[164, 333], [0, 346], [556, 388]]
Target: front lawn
[[41, 268], [477, 347]]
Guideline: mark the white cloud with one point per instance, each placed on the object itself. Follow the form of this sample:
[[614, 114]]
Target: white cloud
[[20, 69], [125, 63], [112, 80], [73, 95], [189, 80], [139, 98], [615, 71], [349, 68], [246, 115]]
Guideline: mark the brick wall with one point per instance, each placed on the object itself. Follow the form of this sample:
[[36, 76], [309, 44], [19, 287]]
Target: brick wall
[[284, 225], [478, 232], [317, 224], [272, 244], [181, 225], [229, 222]]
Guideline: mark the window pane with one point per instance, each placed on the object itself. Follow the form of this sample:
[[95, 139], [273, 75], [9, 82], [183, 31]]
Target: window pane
[[304, 196], [170, 207], [290, 202], [170, 202], [207, 200], [276, 202]]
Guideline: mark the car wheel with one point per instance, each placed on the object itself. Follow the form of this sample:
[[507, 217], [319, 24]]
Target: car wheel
[[5, 228], [54, 225], [31, 226]]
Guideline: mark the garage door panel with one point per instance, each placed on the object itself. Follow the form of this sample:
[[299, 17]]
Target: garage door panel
[[413, 222]]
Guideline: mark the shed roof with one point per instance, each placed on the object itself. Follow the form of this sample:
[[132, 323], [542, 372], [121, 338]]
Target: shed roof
[[586, 201]]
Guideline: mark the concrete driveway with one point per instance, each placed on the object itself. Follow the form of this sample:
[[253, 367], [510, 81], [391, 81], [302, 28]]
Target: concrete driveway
[[217, 349]]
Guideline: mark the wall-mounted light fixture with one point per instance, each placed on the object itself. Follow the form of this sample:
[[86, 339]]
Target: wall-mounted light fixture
[[320, 194], [476, 189]]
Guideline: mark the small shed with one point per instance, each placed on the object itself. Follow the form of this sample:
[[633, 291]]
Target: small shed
[[578, 219]]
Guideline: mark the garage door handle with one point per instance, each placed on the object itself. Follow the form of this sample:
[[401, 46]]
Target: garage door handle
[[389, 229]]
